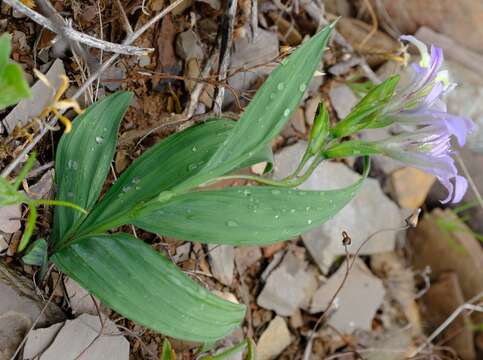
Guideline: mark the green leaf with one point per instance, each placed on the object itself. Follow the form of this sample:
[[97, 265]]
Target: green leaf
[[13, 86], [36, 253], [167, 352], [83, 159], [162, 167], [268, 112], [243, 215], [366, 112], [130, 277]]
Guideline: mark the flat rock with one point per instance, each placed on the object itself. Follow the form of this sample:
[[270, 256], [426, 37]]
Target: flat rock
[[290, 286], [79, 298], [188, 46], [441, 300], [222, 261], [460, 20], [26, 109], [39, 340], [273, 340], [370, 211], [44, 187], [17, 294], [13, 327], [249, 53], [343, 99], [410, 186], [357, 302], [246, 256], [10, 218], [77, 336]]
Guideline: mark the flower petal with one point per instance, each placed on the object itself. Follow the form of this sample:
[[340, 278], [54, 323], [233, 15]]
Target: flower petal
[[461, 185]]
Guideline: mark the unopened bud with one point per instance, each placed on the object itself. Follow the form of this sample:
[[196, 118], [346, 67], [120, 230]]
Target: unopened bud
[[319, 131]]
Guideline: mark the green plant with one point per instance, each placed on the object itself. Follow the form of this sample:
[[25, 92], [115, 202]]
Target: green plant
[[160, 192], [163, 192], [13, 86]]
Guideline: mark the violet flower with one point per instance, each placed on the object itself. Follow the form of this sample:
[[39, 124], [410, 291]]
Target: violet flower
[[428, 146]]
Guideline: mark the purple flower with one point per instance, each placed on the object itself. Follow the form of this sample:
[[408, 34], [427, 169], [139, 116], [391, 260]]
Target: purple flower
[[419, 104]]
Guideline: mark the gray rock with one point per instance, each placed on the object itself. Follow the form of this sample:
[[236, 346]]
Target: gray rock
[[246, 256], [26, 109], [80, 300], [182, 253], [112, 78], [13, 327], [77, 336], [44, 187], [39, 340], [343, 99], [222, 261], [290, 286], [17, 294], [10, 218], [357, 302], [249, 53], [188, 46], [273, 340], [370, 211]]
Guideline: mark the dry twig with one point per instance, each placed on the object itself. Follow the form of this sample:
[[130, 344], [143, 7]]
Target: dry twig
[[75, 35]]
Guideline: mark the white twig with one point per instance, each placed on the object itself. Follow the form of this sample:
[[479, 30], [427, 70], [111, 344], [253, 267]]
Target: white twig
[[131, 38], [75, 35], [196, 92], [127, 24], [467, 306], [225, 51]]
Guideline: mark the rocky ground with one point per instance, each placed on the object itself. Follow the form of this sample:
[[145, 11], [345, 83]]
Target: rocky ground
[[402, 285]]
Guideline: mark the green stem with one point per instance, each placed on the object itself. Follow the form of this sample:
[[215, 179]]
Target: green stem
[[234, 350], [299, 168], [59, 203]]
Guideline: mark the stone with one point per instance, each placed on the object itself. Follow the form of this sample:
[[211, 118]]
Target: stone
[[188, 46], [370, 210], [460, 20], [77, 336], [80, 300], [311, 106], [298, 121], [249, 53], [385, 343], [357, 302], [441, 300], [445, 243], [343, 100], [290, 286], [222, 261], [42, 96], [43, 188], [18, 295], [452, 50], [39, 340], [355, 31], [10, 218], [13, 327], [273, 340], [246, 256], [410, 186], [182, 253], [113, 77]]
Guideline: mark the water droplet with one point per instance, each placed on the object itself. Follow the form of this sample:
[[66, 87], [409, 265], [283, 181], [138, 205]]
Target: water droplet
[[277, 216], [309, 221], [246, 192], [194, 149], [307, 208], [192, 167], [72, 164], [275, 192], [70, 194], [99, 139], [292, 211], [136, 180], [302, 87], [280, 86], [232, 223], [272, 96], [286, 112], [126, 188]]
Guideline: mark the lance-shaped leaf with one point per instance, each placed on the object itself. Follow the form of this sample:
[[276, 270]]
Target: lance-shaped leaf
[[83, 159], [159, 169], [141, 284], [268, 112], [243, 215]]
